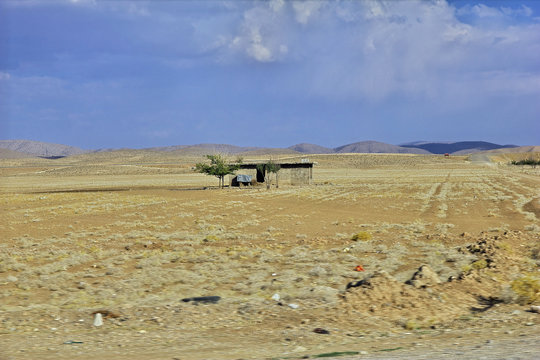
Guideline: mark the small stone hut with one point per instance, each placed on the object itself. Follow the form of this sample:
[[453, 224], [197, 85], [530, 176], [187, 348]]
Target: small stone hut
[[297, 173]]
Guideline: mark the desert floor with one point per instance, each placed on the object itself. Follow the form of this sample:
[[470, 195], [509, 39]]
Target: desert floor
[[131, 234]]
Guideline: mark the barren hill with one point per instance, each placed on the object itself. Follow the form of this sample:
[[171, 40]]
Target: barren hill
[[519, 149], [311, 149], [456, 148], [10, 154], [38, 148], [378, 147]]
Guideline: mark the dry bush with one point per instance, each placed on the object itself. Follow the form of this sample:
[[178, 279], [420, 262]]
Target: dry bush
[[362, 236], [526, 289], [477, 265]]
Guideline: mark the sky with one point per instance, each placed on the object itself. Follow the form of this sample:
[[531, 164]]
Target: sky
[[114, 74]]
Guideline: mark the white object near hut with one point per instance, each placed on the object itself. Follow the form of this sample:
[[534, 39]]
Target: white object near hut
[[98, 319]]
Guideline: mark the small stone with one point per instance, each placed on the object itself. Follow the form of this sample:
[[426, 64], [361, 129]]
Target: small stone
[[535, 309], [98, 319], [363, 352], [276, 297], [529, 324], [516, 312], [424, 277], [299, 349], [294, 306], [12, 278], [142, 332]]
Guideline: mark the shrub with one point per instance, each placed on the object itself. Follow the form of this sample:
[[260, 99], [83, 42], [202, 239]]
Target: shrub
[[362, 235], [527, 288], [477, 265], [411, 325], [529, 161]]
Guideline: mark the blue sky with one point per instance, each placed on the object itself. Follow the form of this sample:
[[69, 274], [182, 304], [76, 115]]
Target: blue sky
[[101, 74]]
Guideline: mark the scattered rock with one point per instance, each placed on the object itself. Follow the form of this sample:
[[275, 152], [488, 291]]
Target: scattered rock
[[276, 297], [98, 319], [12, 278], [535, 309], [424, 277], [321, 331], [317, 271], [294, 306]]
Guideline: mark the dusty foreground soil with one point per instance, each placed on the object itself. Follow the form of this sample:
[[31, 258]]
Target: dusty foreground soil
[[382, 257]]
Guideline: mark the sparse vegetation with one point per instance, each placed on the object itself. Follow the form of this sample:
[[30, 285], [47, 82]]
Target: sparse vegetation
[[530, 161], [268, 168]]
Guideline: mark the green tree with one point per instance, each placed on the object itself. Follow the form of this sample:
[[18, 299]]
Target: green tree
[[267, 169], [218, 167]]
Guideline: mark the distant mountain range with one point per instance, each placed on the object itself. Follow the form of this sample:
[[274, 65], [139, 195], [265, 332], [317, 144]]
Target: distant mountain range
[[456, 148], [49, 150]]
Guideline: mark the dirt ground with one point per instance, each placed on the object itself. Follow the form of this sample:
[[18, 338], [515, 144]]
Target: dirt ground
[[383, 256]]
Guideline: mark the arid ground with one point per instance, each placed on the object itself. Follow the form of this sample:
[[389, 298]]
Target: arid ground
[[130, 234]]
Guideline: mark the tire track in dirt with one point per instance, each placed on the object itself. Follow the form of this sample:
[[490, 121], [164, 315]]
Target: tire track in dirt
[[520, 203], [533, 206], [437, 197]]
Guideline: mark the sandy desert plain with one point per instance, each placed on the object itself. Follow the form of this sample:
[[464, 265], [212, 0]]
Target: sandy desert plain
[[129, 234]]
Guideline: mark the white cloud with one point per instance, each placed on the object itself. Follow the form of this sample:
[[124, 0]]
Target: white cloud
[[257, 50], [262, 34], [276, 5], [374, 49], [304, 10], [357, 49], [4, 76], [482, 11], [521, 11]]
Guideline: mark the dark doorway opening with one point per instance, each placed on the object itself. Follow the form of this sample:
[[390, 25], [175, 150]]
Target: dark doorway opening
[[260, 175]]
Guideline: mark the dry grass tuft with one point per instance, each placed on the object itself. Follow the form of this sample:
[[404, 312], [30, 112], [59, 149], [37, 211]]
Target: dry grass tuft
[[361, 236]]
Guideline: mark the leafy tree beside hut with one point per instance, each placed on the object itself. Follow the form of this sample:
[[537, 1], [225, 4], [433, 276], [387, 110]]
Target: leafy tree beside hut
[[218, 167]]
